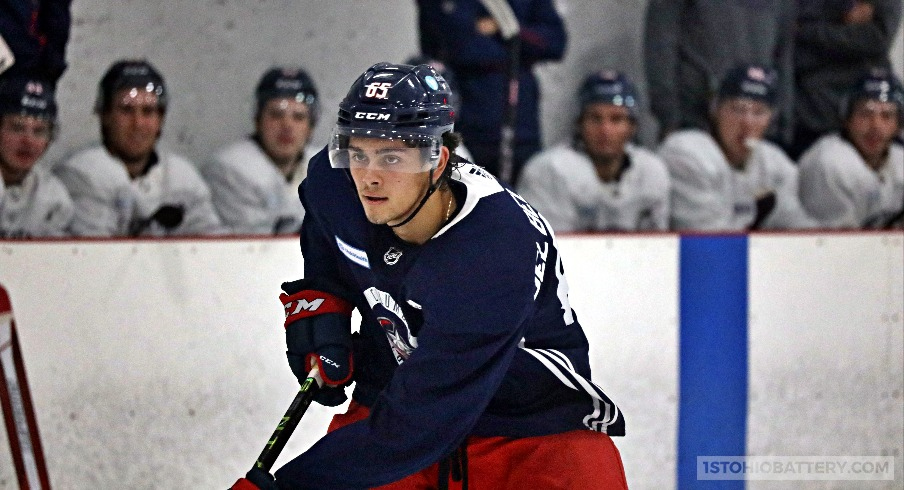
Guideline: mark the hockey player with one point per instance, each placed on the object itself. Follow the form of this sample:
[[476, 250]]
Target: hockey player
[[855, 179], [126, 185], [36, 204], [483, 380], [729, 178], [600, 181], [254, 182]]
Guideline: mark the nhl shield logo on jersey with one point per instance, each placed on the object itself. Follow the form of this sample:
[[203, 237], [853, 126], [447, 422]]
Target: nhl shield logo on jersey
[[392, 256]]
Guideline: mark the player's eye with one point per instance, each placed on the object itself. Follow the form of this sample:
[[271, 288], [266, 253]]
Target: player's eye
[[391, 160], [358, 158]]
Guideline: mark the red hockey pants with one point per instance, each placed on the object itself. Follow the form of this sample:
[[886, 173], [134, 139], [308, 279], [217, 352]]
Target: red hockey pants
[[576, 460]]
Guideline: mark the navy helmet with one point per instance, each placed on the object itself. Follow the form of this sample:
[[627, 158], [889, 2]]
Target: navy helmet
[[750, 81], [443, 70], [28, 97], [608, 87], [395, 101], [130, 74], [287, 82], [878, 84]]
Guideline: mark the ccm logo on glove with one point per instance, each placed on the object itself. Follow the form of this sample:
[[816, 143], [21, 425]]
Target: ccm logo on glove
[[307, 303], [330, 362], [303, 304]]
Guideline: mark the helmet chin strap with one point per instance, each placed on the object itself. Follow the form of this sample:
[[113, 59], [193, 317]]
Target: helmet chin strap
[[430, 190]]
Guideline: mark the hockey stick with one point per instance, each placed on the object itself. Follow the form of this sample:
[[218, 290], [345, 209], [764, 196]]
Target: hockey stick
[[509, 30], [290, 420]]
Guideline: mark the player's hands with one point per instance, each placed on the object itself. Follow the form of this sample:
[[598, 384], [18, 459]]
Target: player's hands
[[256, 479], [318, 333]]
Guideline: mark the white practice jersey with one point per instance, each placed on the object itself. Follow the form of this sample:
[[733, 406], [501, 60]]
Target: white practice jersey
[[709, 194], [109, 203], [249, 192], [39, 207], [562, 184], [841, 191]]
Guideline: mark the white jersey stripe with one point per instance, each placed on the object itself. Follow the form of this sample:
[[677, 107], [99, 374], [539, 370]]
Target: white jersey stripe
[[562, 357], [551, 368], [565, 373]]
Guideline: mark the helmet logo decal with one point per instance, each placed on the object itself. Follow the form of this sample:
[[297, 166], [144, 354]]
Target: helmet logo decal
[[378, 90], [373, 116], [35, 88]]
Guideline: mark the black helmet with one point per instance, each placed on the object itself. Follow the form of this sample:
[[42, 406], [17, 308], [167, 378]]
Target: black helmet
[[28, 97], [877, 84], [390, 101], [137, 74], [751, 81], [608, 87], [284, 82]]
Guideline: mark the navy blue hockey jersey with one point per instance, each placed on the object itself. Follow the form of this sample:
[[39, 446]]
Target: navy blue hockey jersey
[[470, 333]]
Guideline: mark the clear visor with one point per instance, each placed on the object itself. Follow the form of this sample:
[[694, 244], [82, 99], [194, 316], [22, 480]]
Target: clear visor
[[389, 150]]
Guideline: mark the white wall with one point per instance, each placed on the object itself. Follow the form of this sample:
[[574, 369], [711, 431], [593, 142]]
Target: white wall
[[160, 364], [213, 52]]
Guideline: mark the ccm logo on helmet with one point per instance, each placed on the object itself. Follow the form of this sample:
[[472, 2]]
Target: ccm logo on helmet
[[302, 304], [374, 116]]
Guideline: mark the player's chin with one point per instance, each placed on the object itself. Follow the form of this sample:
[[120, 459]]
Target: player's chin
[[377, 219]]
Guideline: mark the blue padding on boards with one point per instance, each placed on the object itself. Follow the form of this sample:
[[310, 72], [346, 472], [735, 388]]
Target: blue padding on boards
[[712, 410]]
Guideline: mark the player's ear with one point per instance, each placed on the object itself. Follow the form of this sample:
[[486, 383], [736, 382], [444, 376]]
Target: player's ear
[[444, 155]]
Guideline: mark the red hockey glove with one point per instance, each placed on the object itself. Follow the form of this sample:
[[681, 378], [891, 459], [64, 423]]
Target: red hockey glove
[[318, 332], [256, 479]]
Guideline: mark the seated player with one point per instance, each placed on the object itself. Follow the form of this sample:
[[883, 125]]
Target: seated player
[[126, 185], [855, 178], [600, 181], [254, 181], [730, 178], [35, 204]]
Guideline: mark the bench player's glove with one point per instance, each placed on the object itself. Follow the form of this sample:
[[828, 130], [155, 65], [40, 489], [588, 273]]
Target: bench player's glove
[[765, 203], [318, 331]]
